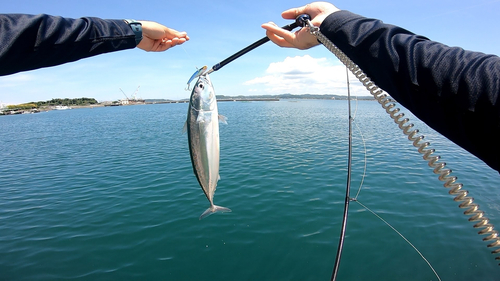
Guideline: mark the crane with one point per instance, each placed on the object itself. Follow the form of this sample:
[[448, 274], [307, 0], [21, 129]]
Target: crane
[[124, 93], [133, 98], [135, 93]]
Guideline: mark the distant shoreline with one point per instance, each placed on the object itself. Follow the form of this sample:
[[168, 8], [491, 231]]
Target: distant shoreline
[[223, 98], [163, 101]]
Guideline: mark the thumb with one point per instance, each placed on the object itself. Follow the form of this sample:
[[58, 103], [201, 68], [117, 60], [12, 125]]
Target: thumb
[[293, 13]]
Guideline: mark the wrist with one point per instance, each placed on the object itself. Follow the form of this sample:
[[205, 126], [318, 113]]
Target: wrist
[[136, 28]]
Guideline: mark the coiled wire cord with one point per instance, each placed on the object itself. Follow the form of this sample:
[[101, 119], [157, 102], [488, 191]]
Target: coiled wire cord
[[466, 202]]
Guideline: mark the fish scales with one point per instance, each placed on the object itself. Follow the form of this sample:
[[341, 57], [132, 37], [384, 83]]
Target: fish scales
[[203, 137]]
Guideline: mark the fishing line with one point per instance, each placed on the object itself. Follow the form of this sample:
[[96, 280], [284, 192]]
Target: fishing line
[[191, 58], [349, 172], [402, 236], [363, 141], [355, 199], [365, 160]]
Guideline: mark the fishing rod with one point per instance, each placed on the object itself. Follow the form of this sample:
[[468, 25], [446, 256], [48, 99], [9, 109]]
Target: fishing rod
[[300, 21], [347, 190]]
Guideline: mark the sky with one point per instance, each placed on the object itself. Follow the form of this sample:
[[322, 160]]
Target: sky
[[218, 29]]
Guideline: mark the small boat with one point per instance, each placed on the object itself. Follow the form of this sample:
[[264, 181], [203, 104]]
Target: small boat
[[61, 107]]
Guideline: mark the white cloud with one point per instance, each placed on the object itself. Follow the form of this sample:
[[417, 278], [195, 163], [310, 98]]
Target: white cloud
[[16, 79], [306, 75]]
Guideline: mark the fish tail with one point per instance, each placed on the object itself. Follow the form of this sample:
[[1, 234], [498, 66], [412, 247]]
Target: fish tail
[[214, 209], [223, 119]]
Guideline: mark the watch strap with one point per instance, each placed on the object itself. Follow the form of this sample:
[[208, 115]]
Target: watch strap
[[136, 28]]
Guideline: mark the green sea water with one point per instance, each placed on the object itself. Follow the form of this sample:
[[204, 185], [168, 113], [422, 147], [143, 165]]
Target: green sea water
[[110, 194]]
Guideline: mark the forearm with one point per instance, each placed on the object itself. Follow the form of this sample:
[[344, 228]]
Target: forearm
[[454, 91], [30, 42]]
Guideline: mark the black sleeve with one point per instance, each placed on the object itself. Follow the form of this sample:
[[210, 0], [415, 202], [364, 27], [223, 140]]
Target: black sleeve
[[452, 90], [29, 42]]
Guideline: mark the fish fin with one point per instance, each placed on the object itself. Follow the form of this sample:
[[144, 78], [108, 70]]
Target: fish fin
[[222, 119], [214, 209], [185, 128], [218, 177], [202, 118]]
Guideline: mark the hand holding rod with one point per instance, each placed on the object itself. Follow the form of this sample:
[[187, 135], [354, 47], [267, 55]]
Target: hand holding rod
[[300, 21]]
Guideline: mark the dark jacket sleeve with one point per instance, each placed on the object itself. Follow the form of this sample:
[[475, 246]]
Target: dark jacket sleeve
[[452, 90], [29, 42]]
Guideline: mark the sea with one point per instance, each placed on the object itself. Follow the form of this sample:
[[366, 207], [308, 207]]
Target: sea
[[108, 193]]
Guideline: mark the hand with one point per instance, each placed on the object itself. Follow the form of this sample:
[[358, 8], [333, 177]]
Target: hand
[[159, 38], [300, 39]]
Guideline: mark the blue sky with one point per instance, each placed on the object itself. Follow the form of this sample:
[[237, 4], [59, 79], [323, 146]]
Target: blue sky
[[219, 28]]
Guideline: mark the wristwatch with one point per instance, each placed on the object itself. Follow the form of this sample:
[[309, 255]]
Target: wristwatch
[[137, 29]]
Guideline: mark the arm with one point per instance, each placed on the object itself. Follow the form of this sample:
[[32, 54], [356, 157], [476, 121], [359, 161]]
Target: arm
[[452, 90], [31, 42]]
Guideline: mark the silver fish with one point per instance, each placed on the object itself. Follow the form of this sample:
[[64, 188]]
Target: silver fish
[[202, 126]]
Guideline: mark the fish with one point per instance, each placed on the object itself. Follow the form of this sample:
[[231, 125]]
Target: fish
[[202, 126], [196, 74]]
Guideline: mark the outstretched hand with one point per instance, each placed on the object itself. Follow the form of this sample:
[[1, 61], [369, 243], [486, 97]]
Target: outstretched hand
[[159, 38], [300, 39]]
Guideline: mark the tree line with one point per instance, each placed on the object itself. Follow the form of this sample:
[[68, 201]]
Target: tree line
[[66, 101], [53, 102]]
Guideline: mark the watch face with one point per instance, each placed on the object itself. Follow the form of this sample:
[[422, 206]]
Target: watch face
[[136, 26]]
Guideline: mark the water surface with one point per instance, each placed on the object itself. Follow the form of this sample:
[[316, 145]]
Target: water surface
[[109, 194]]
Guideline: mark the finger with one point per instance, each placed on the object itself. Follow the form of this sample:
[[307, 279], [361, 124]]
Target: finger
[[177, 41], [293, 13], [183, 35], [163, 46], [274, 33], [167, 44], [278, 40], [172, 33], [273, 28]]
